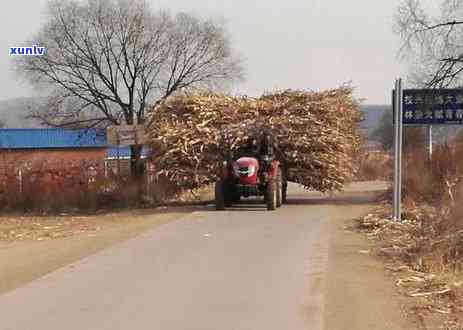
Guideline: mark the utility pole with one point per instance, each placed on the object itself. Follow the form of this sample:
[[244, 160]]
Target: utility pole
[[430, 142]]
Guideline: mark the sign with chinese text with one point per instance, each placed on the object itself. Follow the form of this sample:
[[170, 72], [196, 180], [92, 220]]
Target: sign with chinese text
[[126, 135], [432, 106]]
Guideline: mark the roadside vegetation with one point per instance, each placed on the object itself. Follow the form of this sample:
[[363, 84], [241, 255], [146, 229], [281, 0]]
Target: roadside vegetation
[[50, 187], [425, 250], [372, 166]]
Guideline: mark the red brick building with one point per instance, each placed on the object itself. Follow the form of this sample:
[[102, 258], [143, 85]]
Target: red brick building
[[58, 165], [40, 147]]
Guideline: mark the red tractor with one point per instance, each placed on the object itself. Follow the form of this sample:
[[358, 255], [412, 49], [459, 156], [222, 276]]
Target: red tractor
[[252, 170]]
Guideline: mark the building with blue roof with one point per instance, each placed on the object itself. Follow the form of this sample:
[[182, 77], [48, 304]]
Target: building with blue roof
[[60, 143], [51, 138]]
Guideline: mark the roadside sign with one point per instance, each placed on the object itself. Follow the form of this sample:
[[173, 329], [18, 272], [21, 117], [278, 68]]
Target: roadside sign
[[432, 107], [126, 135], [420, 107]]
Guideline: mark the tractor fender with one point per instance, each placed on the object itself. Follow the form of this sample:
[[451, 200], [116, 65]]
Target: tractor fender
[[273, 170]]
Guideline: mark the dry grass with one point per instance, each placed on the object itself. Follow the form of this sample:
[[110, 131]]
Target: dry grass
[[433, 182], [434, 191], [423, 268], [44, 228], [374, 166], [75, 186], [425, 251]]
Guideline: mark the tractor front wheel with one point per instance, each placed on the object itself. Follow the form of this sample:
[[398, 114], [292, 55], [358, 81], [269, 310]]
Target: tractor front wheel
[[271, 195]]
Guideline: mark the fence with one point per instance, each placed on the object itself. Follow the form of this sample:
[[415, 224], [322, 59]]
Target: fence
[[50, 186]]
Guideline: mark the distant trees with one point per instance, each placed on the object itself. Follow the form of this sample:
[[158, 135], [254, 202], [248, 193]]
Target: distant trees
[[414, 137], [2, 124], [384, 132], [107, 61], [433, 42]]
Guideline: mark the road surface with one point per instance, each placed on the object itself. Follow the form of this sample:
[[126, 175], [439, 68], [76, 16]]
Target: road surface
[[242, 269]]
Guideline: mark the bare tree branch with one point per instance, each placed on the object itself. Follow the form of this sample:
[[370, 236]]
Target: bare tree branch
[[109, 60], [434, 44]]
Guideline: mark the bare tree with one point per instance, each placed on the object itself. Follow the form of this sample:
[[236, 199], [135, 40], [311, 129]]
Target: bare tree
[[107, 61], [433, 43]]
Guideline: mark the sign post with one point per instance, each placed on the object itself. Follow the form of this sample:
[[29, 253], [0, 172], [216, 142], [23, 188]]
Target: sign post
[[430, 142], [126, 135], [398, 132]]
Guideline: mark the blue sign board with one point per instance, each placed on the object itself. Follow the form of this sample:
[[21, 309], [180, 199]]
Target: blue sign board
[[432, 106]]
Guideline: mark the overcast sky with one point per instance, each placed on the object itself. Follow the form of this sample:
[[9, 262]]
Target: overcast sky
[[313, 44]]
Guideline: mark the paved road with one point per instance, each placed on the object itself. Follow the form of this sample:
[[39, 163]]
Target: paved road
[[242, 269]]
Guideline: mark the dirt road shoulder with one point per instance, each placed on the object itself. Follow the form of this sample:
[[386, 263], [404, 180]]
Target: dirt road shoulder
[[24, 261], [359, 293]]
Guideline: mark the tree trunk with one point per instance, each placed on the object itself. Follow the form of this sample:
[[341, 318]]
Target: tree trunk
[[137, 171]]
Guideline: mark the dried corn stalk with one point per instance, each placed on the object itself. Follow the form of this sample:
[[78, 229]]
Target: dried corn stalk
[[316, 133]]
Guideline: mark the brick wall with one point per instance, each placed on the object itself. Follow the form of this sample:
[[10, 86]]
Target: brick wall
[[50, 179], [16, 158], [63, 179]]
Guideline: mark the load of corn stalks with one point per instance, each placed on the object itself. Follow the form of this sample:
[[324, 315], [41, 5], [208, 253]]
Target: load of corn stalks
[[315, 133]]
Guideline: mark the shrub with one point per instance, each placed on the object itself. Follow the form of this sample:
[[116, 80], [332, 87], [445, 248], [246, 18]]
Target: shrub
[[436, 188], [374, 166], [54, 187]]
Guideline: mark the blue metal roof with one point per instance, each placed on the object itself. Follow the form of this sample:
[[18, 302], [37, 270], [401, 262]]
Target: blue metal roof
[[13, 138]]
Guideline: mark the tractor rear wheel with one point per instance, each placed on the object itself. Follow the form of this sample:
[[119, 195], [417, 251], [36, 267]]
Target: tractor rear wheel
[[284, 185], [284, 193], [219, 196], [271, 195], [279, 189]]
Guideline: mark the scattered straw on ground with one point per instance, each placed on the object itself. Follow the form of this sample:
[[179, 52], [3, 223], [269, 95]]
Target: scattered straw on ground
[[405, 246], [45, 228]]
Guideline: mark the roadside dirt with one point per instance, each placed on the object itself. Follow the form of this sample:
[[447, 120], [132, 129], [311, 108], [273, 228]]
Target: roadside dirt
[[359, 294], [49, 243], [418, 265]]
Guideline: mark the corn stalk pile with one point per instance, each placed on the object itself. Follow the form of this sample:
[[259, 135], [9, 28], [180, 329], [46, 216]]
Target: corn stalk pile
[[315, 133]]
